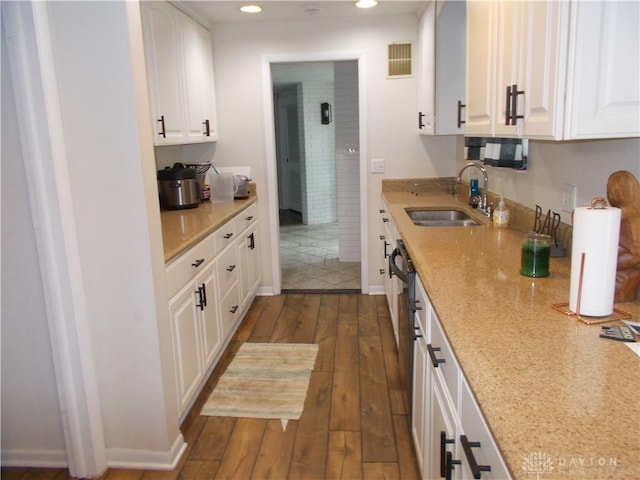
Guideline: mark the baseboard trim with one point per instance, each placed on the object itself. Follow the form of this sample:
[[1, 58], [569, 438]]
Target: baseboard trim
[[34, 458], [265, 292], [147, 459], [376, 290]]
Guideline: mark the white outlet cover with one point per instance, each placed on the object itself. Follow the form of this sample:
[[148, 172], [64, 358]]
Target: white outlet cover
[[377, 165], [569, 193]]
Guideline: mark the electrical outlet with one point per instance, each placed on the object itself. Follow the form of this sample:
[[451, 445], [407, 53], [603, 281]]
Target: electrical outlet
[[569, 193], [377, 165]]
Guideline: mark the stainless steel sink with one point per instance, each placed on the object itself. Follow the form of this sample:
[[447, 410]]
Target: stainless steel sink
[[440, 217]]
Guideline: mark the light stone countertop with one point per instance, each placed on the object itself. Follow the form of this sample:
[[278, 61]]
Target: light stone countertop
[[546, 382], [182, 229]]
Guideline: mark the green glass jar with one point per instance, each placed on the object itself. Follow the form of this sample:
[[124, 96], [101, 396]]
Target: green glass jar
[[536, 250]]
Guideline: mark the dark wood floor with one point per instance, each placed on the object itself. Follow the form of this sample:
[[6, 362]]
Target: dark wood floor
[[355, 420]]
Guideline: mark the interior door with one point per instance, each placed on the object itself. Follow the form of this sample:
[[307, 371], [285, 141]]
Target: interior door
[[290, 176]]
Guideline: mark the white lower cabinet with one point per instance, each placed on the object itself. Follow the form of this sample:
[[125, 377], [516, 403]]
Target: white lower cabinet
[[187, 351], [391, 284], [207, 303], [249, 261], [451, 437], [480, 456], [443, 427]]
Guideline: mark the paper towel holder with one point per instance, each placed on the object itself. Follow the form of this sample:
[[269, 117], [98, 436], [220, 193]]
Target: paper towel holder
[[598, 201], [564, 307]]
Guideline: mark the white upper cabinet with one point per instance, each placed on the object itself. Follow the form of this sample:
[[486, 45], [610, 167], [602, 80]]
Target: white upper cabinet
[[441, 47], [530, 67], [481, 61], [180, 75], [556, 70], [604, 72]]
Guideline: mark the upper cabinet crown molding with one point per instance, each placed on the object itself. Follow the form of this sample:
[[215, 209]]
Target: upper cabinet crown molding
[[553, 70], [180, 76]]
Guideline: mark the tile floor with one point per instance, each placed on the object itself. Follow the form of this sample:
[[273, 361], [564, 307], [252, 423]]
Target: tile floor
[[309, 259]]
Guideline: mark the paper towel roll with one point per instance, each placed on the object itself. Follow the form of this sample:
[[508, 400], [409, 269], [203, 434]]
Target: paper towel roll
[[596, 232]]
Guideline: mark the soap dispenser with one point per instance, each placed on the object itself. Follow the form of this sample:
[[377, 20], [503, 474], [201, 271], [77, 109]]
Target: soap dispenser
[[474, 191], [501, 215]]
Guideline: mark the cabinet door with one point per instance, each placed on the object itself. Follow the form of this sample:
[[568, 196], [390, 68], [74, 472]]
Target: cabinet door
[[162, 51], [198, 78], [475, 429], [420, 401], [480, 90], [509, 31], [450, 67], [605, 94], [442, 435], [441, 67], [187, 353], [211, 339], [253, 259], [426, 70], [542, 69], [244, 273], [208, 97]]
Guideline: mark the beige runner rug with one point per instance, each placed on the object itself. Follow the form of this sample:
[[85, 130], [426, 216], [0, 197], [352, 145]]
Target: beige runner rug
[[264, 380]]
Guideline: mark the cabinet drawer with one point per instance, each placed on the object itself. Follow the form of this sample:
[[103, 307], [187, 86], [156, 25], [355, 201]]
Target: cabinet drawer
[[228, 268], [225, 235], [449, 368], [230, 309], [476, 430], [187, 265], [246, 218]]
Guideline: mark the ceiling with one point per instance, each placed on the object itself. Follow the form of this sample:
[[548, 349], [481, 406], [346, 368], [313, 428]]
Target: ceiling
[[212, 12]]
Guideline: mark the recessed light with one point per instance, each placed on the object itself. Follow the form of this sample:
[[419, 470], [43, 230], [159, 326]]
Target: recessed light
[[251, 9], [366, 3]]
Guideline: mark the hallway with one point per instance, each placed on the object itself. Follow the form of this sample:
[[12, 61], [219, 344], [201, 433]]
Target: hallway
[[355, 422], [309, 260]]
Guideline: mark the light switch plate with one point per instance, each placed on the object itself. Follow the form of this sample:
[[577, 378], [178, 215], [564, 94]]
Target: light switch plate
[[569, 193], [377, 165]]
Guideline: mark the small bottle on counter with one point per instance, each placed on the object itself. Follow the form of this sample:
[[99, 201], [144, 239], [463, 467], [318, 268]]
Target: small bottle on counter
[[501, 215]]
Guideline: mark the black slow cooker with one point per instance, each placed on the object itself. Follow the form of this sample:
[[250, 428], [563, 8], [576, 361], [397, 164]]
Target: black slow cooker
[[178, 187]]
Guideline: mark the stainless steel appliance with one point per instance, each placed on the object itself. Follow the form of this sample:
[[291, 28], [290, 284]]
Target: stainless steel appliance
[[178, 187], [400, 264]]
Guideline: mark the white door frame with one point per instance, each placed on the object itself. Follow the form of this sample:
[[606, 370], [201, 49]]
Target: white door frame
[[283, 105], [270, 150], [42, 138]]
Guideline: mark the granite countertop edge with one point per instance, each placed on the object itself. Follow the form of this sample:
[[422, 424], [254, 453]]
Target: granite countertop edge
[[182, 229], [545, 382]]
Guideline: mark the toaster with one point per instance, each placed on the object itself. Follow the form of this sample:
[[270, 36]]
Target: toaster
[[241, 186]]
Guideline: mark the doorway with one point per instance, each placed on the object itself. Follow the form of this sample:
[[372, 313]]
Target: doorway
[[315, 158]]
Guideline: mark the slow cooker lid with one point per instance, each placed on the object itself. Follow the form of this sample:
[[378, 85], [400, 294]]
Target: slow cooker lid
[[177, 172]]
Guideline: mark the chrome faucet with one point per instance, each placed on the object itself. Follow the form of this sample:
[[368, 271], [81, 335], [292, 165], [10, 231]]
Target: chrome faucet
[[483, 202]]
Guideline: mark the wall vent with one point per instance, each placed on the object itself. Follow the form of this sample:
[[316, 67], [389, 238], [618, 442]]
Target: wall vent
[[400, 60]]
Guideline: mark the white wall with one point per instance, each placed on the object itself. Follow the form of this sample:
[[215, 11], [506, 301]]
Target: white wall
[[31, 421], [101, 155], [106, 153], [585, 164], [391, 105]]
